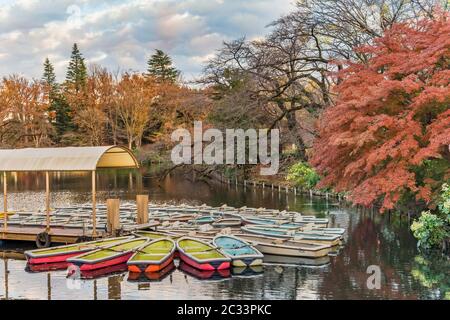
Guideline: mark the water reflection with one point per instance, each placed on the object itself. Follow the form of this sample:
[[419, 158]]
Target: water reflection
[[371, 240]]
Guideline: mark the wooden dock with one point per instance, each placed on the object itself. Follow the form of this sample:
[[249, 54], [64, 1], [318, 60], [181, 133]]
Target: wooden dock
[[58, 235]]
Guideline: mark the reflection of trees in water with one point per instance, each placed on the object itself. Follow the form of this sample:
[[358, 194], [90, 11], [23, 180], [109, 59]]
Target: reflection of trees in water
[[347, 278], [433, 273], [277, 282]]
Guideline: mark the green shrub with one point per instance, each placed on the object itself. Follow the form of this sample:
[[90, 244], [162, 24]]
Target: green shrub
[[430, 230], [302, 175], [444, 205]]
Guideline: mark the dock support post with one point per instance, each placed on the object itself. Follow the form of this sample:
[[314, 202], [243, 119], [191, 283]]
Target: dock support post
[[5, 201], [112, 215], [94, 204], [47, 201], [142, 208]]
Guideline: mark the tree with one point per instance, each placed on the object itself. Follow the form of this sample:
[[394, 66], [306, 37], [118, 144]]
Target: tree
[[286, 72], [76, 72], [73, 98], [341, 26], [49, 76], [24, 110], [160, 67], [92, 117], [388, 137], [134, 98]]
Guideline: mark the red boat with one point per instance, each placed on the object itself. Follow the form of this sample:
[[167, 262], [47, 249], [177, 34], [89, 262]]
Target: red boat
[[62, 253], [202, 255], [108, 256]]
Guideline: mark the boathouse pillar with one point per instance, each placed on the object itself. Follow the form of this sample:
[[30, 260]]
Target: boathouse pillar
[[142, 208], [94, 204], [112, 215], [5, 201], [47, 201]]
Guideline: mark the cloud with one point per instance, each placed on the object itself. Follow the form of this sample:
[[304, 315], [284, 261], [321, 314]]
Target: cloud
[[123, 34]]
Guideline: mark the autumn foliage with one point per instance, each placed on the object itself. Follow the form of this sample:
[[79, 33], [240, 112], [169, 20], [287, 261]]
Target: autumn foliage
[[388, 135]]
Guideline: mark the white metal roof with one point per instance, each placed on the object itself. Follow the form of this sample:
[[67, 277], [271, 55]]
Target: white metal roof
[[66, 159]]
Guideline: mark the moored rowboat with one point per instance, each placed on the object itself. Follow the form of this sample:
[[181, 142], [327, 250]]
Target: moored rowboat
[[62, 253], [153, 256], [109, 256], [289, 248], [312, 237], [201, 254], [227, 222], [242, 253]]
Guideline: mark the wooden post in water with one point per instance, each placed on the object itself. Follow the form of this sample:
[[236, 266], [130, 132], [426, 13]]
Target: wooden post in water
[[47, 201], [94, 205], [142, 208], [5, 202], [112, 215]]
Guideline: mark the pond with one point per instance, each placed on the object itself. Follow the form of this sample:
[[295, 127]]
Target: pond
[[372, 239]]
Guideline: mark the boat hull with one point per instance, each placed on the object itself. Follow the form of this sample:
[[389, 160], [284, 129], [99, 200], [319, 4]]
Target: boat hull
[[205, 266], [53, 259], [150, 267], [83, 266]]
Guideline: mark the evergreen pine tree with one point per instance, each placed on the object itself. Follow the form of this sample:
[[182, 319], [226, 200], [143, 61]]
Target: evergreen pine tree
[[76, 72], [49, 76], [160, 66], [62, 121]]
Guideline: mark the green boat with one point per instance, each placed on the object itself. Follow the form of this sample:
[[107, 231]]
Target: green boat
[[153, 257], [109, 256], [62, 253]]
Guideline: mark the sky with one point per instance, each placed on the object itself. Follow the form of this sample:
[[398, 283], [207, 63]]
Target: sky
[[121, 35]]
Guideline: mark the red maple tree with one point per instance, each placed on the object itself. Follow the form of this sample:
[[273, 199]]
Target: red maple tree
[[389, 133]]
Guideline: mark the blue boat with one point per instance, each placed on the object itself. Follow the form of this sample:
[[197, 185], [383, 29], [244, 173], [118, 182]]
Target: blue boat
[[242, 253]]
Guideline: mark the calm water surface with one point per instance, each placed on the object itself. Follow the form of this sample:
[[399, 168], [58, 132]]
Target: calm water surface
[[372, 239]]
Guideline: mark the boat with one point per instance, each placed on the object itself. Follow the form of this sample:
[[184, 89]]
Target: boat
[[153, 235], [307, 228], [203, 220], [311, 219], [262, 221], [62, 253], [241, 253], [285, 247], [203, 235], [152, 257], [201, 255], [312, 237], [227, 223], [108, 256], [151, 276]]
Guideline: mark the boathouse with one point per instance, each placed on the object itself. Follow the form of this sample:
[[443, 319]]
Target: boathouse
[[66, 159]]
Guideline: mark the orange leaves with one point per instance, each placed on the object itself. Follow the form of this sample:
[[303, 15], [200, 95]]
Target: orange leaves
[[391, 115]]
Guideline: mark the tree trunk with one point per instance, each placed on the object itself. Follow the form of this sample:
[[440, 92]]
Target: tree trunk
[[295, 133]]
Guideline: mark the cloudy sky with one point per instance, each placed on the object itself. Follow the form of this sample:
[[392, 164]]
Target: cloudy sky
[[123, 34]]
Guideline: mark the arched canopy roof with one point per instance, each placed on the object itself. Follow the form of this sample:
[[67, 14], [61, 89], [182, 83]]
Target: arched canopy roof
[[66, 159]]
